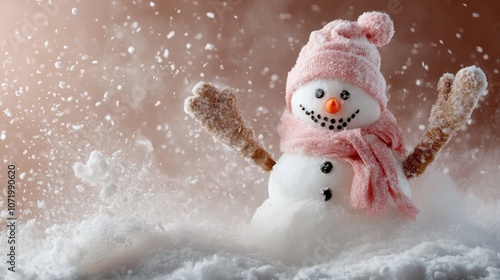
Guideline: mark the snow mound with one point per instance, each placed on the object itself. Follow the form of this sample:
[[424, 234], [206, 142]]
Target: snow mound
[[456, 236]]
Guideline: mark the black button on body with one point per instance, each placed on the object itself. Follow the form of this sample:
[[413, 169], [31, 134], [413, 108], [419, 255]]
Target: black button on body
[[326, 167], [327, 193]]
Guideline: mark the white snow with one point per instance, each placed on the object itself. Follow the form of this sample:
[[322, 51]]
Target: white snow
[[456, 236], [101, 172], [210, 47], [171, 34], [80, 188], [316, 8], [144, 143]]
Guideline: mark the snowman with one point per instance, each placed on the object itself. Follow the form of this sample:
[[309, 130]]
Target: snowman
[[344, 159]]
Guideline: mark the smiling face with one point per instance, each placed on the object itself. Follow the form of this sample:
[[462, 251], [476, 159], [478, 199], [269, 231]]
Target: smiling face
[[334, 105]]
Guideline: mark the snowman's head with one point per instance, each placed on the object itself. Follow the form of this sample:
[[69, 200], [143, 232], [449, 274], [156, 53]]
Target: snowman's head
[[335, 105], [336, 82]]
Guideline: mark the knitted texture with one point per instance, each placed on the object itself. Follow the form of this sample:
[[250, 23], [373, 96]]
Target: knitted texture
[[367, 149], [346, 51]]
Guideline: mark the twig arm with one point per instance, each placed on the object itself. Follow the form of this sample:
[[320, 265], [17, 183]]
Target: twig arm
[[458, 95], [217, 113]]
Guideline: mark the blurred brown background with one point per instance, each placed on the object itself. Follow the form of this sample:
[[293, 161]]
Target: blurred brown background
[[79, 76]]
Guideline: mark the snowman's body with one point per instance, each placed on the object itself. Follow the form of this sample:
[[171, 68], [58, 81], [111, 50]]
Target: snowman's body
[[309, 196], [308, 177]]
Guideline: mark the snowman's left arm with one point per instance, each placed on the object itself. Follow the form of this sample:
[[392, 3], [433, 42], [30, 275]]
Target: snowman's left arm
[[458, 95]]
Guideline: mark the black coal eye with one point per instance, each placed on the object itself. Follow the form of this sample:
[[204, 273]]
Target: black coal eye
[[319, 93], [345, 95], [326, 167]]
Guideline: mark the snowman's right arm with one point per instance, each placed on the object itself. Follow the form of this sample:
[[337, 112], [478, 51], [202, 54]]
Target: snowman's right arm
[[217, 112]]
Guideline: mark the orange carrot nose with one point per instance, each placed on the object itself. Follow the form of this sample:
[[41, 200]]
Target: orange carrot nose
[[332, 106]]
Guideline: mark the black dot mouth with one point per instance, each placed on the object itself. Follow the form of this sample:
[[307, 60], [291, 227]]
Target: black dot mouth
[[330, 123]]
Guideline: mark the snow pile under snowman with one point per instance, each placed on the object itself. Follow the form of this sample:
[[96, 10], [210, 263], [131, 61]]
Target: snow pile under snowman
[[344, 157]]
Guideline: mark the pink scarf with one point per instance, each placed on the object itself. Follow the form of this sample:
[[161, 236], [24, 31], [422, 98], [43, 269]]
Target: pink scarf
[[368, 150]]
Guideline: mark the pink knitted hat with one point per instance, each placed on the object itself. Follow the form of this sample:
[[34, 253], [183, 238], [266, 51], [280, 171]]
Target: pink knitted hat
[[345, 50]]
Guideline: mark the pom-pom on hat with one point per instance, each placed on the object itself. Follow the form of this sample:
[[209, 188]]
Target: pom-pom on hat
[[345, 50]]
